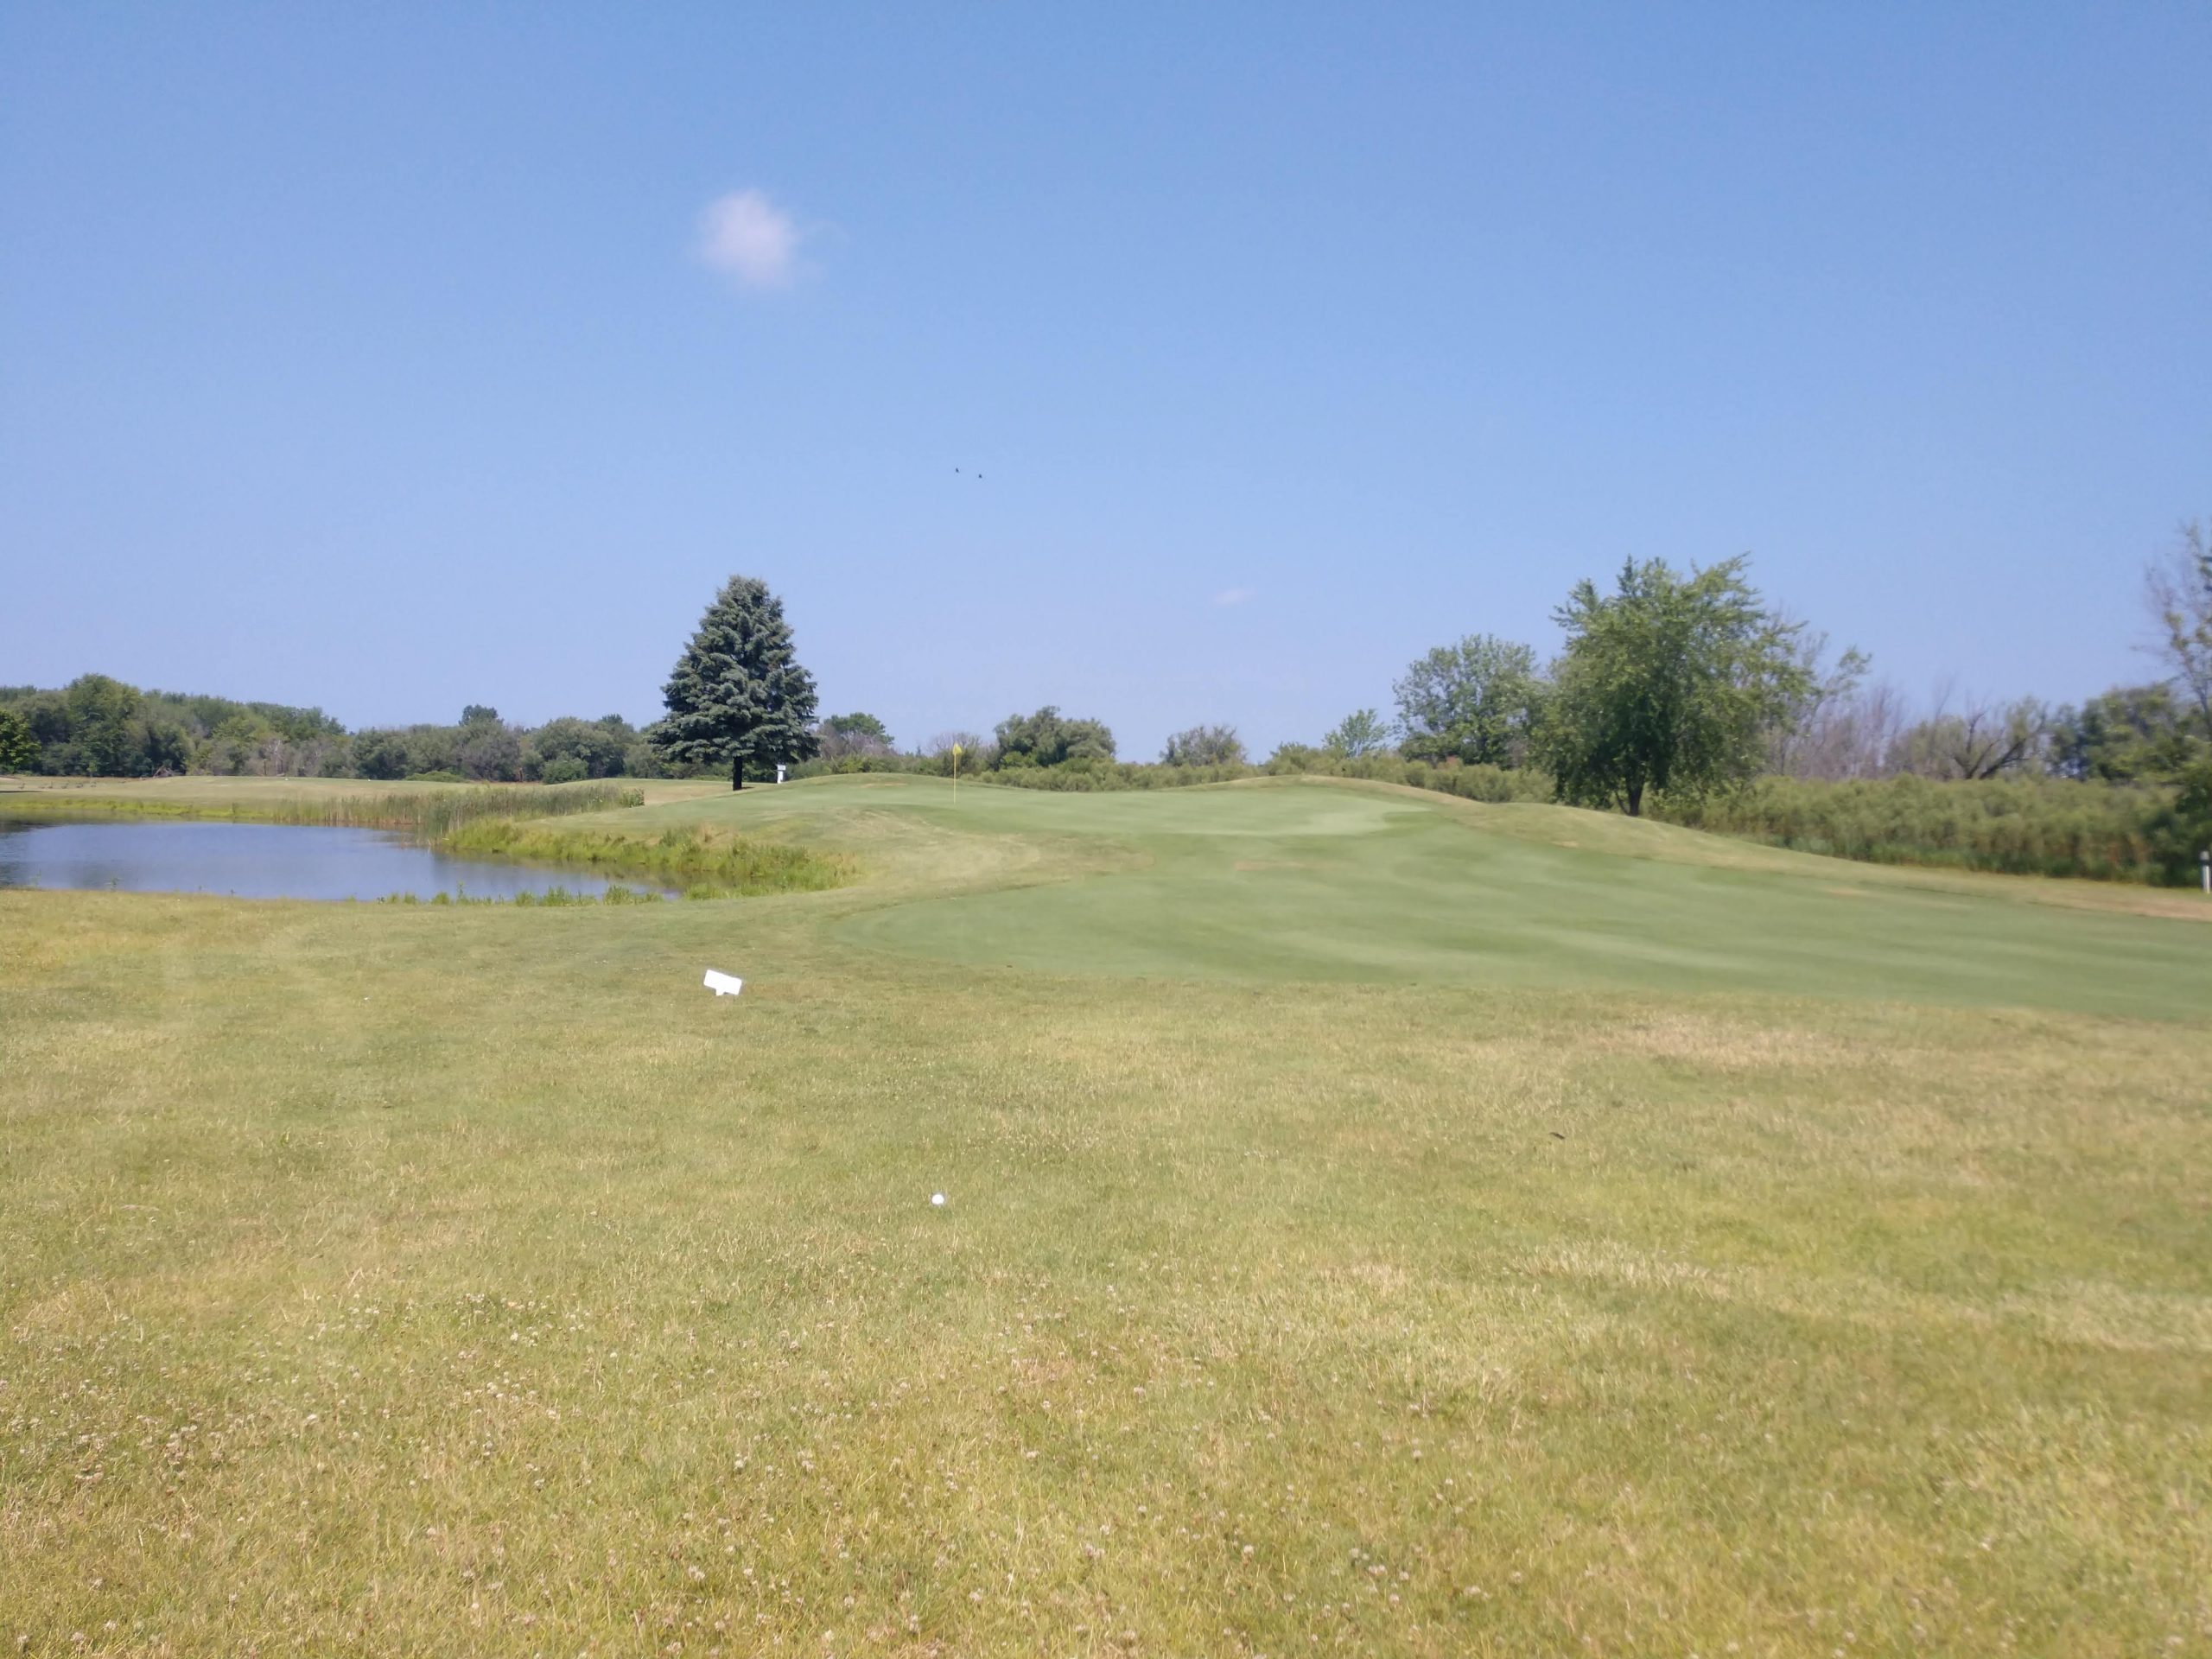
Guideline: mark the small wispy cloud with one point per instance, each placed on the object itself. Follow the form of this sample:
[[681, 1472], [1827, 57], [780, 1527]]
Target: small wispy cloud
[[749, 240], [1233, 596]]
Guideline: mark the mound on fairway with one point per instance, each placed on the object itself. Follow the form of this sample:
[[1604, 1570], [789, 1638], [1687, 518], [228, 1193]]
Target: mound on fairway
[[1374, 1225], [1345, 882]]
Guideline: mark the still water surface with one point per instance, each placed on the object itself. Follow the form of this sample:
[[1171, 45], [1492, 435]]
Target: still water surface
[[255, 860]]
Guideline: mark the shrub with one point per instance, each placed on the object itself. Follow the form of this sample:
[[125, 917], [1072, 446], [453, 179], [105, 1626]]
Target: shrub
[[1451, 777]]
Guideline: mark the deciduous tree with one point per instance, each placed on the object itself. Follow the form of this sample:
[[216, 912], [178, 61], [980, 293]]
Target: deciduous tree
[[1669, 683], [101, 711], [1982, 740], [1204, 746], [1359, 734], [2130, 733], [1475, 701], [18, 748], [1048, 738], [574, 748], [1818, 733], [2178, 591], [855, 734]]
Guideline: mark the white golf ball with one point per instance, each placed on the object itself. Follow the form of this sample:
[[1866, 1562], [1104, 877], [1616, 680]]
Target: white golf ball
[[937, 1197]]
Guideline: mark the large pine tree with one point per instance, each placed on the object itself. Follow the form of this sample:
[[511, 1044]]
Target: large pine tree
[[737, 695]]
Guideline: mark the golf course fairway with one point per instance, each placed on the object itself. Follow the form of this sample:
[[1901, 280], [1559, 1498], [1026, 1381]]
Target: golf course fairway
[[1374, 1223]]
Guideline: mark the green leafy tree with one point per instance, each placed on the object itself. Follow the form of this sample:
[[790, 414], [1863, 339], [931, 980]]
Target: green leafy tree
[[577, 748], [101, 711], [2182, 831], [1359, 734], [738, 695], [1205, 746], [166, 747], [1475, 701], [856, 734], [2129, 733], [489, 751], [18, 748], [1049, 739], [1670, 683], [381, 752]]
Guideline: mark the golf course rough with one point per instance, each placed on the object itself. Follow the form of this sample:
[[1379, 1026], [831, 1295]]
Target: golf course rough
[[1382, 1225]]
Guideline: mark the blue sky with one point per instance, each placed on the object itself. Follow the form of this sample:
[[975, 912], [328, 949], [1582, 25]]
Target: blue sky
[[391, 358]]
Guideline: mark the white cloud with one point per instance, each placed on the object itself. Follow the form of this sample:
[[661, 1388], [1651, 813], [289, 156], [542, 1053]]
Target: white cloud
[[749, 240], [1232, 596]]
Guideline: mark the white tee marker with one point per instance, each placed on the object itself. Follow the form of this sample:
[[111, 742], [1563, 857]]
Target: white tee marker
[[723, 984]]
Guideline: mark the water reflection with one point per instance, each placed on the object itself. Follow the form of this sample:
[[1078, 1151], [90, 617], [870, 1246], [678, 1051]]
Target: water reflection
[[255, 860]]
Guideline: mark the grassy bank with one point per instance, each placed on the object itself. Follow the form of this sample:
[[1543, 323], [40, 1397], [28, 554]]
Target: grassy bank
[[705, 861], [2014, 826], [1586, 1236]]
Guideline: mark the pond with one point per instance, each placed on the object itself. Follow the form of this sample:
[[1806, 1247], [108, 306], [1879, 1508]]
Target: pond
[[256, 860]]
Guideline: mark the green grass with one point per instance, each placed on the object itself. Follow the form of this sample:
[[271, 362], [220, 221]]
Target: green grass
[[1375, 1225]]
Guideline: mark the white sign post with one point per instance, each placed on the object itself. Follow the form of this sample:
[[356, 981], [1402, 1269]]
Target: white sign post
[[2204, 863], [723, 984], [779, 772]]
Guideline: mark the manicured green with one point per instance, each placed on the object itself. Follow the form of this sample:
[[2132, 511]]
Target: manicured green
[[1311, 882], [1374, 1226]]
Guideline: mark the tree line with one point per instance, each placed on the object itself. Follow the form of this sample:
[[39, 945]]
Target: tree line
[[1686, 695], [100, 726], [1690, 686], [1673, 690], [1683, 686]]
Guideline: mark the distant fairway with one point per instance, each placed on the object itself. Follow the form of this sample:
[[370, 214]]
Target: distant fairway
[[1375, 1225], [1312, 880]]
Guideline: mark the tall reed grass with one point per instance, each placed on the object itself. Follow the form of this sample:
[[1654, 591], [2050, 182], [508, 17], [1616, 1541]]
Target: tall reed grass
[[2017, 826], [552, 898], [435, 814], [428, 813], [706, 863]]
